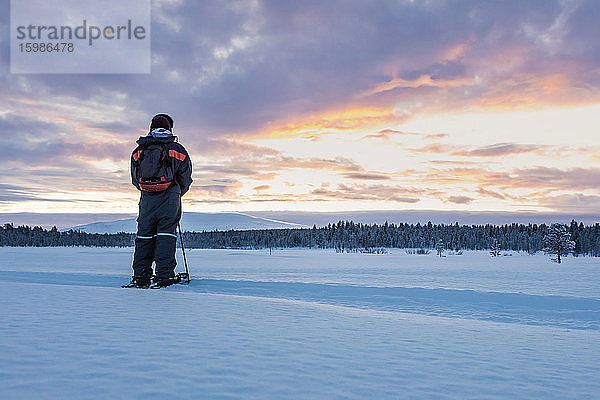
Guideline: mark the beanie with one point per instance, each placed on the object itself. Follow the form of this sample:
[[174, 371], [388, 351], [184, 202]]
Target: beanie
[[161, 121]]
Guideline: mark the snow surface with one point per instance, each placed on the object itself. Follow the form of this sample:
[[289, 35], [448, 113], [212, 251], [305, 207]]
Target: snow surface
[[310, 324]]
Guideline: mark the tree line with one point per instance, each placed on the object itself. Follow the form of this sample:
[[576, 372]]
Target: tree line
[[36, 236], [343, 235]]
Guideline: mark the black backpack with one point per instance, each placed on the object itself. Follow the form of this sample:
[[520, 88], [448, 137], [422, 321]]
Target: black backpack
[[153, 168]]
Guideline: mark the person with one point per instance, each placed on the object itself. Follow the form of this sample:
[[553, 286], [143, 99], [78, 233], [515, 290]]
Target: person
[[162, 170]]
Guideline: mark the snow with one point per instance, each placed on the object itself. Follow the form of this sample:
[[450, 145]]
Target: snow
[[299, 324]]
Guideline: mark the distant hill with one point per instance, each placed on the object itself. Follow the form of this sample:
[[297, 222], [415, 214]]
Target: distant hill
[[192, 221], [424, 216], [112, 223], [60, 220]]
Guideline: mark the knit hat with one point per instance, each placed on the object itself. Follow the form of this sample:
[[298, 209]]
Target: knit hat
[[162, 121]]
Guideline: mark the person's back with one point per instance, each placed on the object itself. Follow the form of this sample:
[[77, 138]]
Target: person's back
[[162, 170]]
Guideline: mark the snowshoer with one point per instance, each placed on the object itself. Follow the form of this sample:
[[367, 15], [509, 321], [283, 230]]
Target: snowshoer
[[162, 170]]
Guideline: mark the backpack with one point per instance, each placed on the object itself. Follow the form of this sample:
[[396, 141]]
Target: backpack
[[153, 168]]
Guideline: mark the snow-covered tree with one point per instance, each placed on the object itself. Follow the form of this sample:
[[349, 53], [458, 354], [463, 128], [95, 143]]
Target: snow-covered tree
[[558, 241], [495, 250], [440, 247]]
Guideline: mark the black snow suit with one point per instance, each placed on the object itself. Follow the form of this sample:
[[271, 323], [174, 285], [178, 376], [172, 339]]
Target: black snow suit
[[159, 213]]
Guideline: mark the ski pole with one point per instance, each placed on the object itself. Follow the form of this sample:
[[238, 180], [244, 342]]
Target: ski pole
[[187, 272]]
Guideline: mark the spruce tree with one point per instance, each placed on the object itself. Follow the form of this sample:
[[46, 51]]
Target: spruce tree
[[440, 247], [495, 249], [558, 242]]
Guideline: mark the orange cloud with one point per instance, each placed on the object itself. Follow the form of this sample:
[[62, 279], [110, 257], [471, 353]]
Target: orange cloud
[[261, 187], [347, 118], [421, 81]]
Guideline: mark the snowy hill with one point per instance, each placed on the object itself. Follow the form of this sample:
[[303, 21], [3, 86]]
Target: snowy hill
[[60, 220], [192, 221], [424, 216], [110, 223]]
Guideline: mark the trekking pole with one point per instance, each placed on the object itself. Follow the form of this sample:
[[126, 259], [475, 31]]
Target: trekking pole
[[187, 272]]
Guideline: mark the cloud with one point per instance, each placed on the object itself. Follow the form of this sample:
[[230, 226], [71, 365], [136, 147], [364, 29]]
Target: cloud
[[334, 164], [546, 178], [437, 71], [225, 147], [115, 126], [214, 201], [460, 199], [436, 136], [499, 149], [13, 124], [550, 178], [394, 132], [493, 150], [219, 189], [438, 148], [366, 176], [16, 194], [267, 168], [237, 67], [33, 142], [454, 162], [386, 134], [491, 193], [396, 194], [11, 193], [574, 203]]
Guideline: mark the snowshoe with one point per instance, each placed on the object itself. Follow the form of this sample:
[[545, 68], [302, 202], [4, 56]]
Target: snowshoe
[[180, 278], [138, 283], [185, 277], [164, 282]]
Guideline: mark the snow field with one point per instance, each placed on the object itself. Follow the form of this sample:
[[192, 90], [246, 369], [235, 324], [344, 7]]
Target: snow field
[[260, 326]]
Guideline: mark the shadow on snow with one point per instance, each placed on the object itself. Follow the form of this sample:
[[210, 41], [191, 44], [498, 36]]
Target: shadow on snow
[[560, 311]]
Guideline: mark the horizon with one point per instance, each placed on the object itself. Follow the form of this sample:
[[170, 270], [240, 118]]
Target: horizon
[[309, 218], [326, 106]]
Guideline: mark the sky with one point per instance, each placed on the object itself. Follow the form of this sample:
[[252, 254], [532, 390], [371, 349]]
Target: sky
[[326, 106]]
